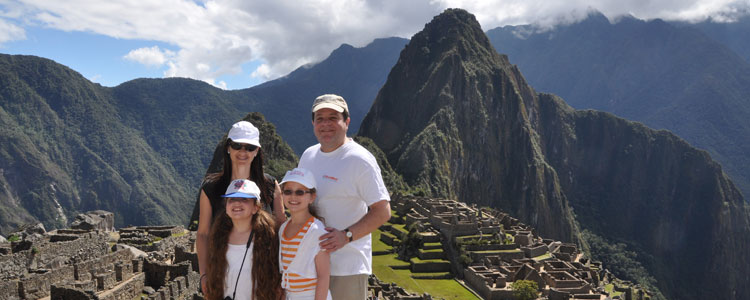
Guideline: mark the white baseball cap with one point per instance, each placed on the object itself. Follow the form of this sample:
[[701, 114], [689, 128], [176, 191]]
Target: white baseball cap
[[242, 188], [300, 175], [244, 132]]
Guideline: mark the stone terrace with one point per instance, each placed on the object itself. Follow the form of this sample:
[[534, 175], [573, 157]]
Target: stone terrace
[[497, 250], [94, 264]]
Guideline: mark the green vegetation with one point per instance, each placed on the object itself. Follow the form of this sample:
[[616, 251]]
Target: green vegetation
[[412, 242], [622, 262], [610, 288], [14, 238], [524, 289], [439, 288]]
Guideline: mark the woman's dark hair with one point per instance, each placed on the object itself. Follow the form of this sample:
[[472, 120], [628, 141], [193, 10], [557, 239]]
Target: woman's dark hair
[[266, 278], [224, 176]]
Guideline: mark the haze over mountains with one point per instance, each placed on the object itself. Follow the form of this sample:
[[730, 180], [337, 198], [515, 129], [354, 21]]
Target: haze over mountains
[[668, 77]]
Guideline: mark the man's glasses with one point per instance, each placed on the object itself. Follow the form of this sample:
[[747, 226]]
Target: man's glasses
[[297, 192], [238, 146]]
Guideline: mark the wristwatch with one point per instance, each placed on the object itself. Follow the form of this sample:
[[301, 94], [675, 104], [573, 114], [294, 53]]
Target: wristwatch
[[349, 234]]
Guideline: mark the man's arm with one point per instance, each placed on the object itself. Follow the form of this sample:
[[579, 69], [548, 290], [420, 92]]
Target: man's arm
[[378, 214]]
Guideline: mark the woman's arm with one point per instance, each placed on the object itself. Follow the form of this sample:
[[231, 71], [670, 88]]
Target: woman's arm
[[201, 241], [323, 267], [278, 205]]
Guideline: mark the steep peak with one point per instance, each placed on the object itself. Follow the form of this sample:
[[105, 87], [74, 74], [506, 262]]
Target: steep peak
[[452, 29]]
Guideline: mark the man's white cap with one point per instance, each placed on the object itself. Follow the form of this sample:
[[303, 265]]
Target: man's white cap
[[242, 188], [331, 101], [244, 132], [301, 176]]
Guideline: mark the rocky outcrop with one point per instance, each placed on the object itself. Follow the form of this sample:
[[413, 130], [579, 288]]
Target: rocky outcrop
[[94, 220], [458, 120]]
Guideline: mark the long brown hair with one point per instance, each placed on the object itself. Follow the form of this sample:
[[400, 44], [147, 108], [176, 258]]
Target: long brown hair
[[265, 266], [224, 176]]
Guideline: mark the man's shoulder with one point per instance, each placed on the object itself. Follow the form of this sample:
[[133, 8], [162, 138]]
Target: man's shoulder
[[359, 152], [312, 150]]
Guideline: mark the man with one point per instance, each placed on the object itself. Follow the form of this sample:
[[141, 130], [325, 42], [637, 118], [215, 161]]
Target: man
[[352, 198]]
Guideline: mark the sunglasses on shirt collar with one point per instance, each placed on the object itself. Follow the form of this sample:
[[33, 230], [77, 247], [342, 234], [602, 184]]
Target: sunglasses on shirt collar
[[238, 146]]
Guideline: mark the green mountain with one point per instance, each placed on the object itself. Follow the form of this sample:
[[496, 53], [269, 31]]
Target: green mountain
[[665, 76], [354, 73], [456, 119], [141, 149], [66, 150]]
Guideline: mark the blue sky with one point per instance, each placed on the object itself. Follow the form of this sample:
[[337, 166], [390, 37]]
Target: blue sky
[[100, 58], [235, 44]]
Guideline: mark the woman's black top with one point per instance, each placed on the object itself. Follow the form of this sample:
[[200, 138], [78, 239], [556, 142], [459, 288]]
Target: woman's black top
[[214, 192]]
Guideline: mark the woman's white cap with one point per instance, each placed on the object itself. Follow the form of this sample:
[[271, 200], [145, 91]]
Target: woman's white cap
[[302, 176], [244, 132]]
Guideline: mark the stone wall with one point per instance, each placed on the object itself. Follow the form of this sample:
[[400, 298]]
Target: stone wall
[[9, 290], [38, 285], [127, 291]]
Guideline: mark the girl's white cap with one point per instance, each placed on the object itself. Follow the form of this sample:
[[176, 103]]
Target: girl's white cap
[[301, 176]]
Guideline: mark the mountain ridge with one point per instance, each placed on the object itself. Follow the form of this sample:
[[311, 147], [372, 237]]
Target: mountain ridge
[[474, 123], [667, 77]]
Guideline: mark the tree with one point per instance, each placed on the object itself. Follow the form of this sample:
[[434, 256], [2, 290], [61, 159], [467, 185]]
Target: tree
[[524, 289]]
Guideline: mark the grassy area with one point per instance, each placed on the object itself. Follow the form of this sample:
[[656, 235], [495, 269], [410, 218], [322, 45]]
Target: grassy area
[[542, 257], [438, 288], [498, 251], [610, 288], [416, 260], [377, 244], [431, 250]]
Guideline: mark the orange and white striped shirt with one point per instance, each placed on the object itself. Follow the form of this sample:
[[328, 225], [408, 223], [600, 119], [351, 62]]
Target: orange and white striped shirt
[[289, 247]]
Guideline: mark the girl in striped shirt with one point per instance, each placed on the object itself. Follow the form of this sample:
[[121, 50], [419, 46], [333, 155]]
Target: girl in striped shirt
[[305, 268]]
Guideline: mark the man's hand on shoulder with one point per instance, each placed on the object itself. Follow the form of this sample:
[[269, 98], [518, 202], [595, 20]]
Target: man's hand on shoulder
[[333, 240]]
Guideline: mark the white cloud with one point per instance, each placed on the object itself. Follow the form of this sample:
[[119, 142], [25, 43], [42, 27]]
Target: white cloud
[[216, 37], [10, 32], [149, 56]]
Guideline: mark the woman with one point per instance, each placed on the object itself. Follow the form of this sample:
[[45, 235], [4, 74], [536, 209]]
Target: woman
[[243, 160], [242, 249]]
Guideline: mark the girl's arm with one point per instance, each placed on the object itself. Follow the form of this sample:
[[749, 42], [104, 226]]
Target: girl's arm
[[323, 267]]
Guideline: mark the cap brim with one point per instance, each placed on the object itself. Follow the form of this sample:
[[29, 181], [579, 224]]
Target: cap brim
[[247, 141], [305, 184], [239, 195], [328, 105]]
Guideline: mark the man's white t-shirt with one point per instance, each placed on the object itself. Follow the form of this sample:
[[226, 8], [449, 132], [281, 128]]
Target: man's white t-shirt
[[348, 182], [234, 260]]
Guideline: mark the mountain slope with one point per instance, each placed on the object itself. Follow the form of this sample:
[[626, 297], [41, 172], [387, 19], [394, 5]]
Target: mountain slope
[[457, 119], [139, 149], [652, 72], [732, 34], [67, 151], [354, 73]]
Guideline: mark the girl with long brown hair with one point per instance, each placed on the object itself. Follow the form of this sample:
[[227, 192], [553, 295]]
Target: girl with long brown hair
[[243, 248]]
